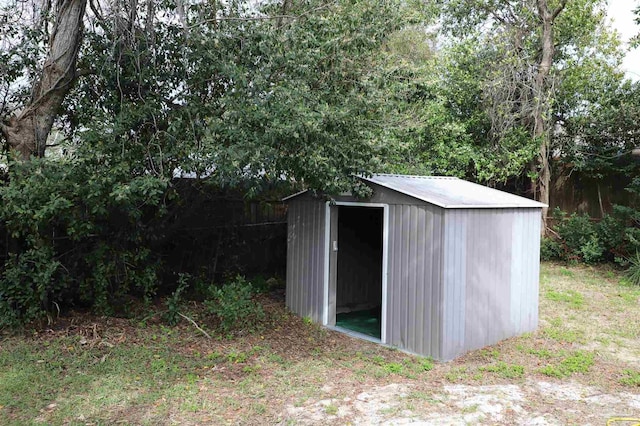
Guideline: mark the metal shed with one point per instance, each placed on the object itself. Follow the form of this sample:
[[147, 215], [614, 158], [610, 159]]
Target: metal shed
[[436, 266]]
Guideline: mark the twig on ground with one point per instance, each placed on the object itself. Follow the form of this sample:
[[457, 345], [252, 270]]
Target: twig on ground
[[194, 324]]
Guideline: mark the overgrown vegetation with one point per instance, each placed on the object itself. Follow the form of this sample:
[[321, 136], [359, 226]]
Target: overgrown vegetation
[[579, 238], [163, 97], [232, 304]]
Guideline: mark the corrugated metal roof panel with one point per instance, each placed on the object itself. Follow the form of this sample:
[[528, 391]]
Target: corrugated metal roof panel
[[451, 192]]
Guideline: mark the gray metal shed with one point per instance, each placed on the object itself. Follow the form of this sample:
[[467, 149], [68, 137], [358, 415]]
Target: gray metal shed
[[443, 265]]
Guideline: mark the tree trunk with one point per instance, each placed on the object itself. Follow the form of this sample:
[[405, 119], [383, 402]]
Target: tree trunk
[[542, 125], [27, 132]]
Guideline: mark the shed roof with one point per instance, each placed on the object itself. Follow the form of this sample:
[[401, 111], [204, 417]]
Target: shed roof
[[448, 192], [451, 192]]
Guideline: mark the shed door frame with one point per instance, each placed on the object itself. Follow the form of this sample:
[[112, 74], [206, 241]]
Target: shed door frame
[[385, 255]]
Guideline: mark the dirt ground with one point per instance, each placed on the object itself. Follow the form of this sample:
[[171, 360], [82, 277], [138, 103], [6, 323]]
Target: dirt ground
[[582, 309], [531, 403]]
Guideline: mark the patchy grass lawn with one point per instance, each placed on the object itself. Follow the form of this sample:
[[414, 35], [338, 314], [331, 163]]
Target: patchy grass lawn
[[581, 366]]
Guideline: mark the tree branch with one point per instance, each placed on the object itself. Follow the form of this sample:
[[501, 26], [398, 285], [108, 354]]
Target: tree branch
[[194, 324], [559, 9]]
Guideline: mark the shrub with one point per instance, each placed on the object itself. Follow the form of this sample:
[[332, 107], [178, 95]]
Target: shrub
[[232, 304], [633, 272], [611, 232], [26, 286], [550, 249], [175, 301], [79, 233], [578, 237]]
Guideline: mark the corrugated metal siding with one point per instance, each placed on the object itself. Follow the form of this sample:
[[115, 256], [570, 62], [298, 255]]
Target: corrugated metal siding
[[491, 269], [414, 278], [455, 229], [525, 270], [305, 258]]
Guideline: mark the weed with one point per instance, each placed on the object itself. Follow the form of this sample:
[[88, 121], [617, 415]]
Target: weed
[[275, 358], [331, 410], [572, 297], [378, 359], [423, 396], [392, 367], [236, 357], [214, 356], [628, 297], [234, 307], [426, 364], [250, 369], [631, 378], [563, 334], [577, 362], [470, 409], [456, 374], [259, 408], [389, 411], [175, 301], [540, 353], [508, 371], [489, 353], [566, 272]]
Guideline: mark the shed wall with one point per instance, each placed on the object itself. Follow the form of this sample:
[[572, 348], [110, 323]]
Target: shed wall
[[491, 268], [414, 284], [305, 257]]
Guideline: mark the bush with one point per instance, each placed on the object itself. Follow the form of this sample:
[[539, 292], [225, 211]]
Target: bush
[[27, 285], [633, 272], [232, 304], [550, 249], [79, 234], [611, 232], [578, 238], [175, 301]]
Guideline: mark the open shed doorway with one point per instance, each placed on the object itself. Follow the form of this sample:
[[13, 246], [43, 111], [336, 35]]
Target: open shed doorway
[[358, 269]]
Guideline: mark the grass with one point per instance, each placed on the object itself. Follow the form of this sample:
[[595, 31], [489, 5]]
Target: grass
[[507, 371], [104, 370], [571, 297]]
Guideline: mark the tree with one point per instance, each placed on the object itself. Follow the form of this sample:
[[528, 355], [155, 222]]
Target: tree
[[241, 93], [27, 131], [442, 126], [532, 39]]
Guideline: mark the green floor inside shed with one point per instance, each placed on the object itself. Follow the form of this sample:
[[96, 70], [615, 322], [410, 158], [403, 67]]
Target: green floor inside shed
[[365, 322]]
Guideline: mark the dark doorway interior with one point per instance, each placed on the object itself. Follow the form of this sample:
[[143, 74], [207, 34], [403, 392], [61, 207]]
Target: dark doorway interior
[[359, 269]]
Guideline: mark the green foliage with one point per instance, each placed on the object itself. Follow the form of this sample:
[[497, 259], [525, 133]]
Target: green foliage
[[578, 237], [507, 371], [234, 306], [242, 100], [426, 364], [632, 274], [176, 300], [550, 249], [26, 286], [631, 378], [392, 367], [78, 234], [576, 362], [442, 127]]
